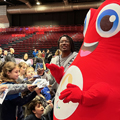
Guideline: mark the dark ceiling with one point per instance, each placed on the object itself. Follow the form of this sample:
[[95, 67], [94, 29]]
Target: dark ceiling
[[32, 2]]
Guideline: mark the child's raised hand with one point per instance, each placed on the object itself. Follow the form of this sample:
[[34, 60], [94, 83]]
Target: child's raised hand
[[38, 90], [51, 105], [49, 101], [3, 87]]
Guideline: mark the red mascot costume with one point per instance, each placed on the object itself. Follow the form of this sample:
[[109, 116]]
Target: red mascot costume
[[90, 88]]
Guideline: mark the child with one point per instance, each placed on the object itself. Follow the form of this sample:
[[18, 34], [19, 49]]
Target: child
[[22, 66], [37, 110], [10, 73], [16, 88], [30, 74]]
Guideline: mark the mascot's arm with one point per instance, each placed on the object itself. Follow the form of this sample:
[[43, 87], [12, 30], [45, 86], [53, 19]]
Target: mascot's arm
[[56, 71], [95, 95]]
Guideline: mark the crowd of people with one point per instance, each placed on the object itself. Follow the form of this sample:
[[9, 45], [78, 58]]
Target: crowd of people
[[25, 101]]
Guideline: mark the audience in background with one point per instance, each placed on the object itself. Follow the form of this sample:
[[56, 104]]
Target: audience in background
[[57, 53], [5, 55], [43, 54], [10, 56], [26, 60], [64, 56], [48, 56], [35, 52], [39, 55], [1, 55]]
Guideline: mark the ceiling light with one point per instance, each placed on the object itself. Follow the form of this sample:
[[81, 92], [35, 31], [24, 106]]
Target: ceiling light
[[38, 2]]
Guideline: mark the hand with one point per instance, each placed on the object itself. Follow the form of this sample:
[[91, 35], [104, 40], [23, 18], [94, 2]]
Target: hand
[[51, 105], [72, 93], [56, 71], [3, 87], [31, 87], [38, 90], [32, 79], [49, 101], [40, 71]]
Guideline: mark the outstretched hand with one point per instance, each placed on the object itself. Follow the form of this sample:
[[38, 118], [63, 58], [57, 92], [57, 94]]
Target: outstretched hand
[[3, 88], [71, 93], [56, 71]]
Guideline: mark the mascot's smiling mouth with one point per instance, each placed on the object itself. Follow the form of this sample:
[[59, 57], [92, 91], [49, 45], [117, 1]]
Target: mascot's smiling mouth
[[88, 48]]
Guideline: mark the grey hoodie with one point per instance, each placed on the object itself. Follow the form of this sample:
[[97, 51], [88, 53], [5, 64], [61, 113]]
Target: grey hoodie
[[16, 88], [65, 62]]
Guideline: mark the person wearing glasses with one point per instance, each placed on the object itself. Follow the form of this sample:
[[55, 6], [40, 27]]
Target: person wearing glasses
[[66, 45]]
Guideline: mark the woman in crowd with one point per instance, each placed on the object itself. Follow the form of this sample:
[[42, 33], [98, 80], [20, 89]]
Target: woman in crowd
[[26, 60], [57, 53]]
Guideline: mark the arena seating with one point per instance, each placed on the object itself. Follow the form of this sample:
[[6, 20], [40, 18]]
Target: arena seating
[[25, 39]]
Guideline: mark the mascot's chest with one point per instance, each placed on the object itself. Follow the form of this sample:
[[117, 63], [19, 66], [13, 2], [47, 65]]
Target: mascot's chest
[[74, 76]]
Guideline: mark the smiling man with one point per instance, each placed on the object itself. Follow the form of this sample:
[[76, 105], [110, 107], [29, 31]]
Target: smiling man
[[66, 45]]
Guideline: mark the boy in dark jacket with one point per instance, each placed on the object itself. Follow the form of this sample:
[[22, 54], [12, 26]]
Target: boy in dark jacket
[[37, 110]]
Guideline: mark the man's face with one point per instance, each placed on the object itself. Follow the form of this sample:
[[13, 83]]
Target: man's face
[[64, 45]]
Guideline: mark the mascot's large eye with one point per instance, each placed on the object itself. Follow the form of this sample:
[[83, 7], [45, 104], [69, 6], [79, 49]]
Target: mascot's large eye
[[107, 23], [86, 22]]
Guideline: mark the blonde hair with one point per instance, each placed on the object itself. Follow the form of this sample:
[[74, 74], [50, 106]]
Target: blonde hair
[[39, 55], [28, 69], [57, 52], [21, 64], [11, 49], [8, 67]]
